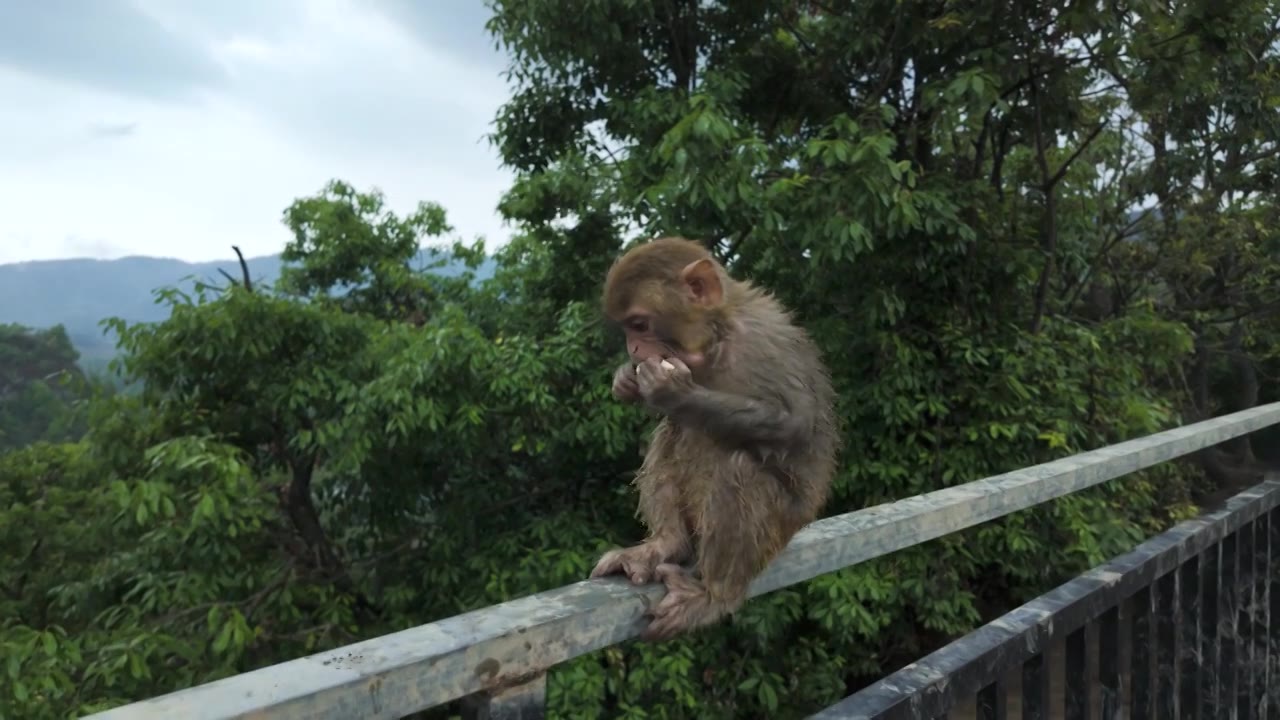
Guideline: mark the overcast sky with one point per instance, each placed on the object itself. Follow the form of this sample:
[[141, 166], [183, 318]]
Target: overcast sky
[[178, 128]]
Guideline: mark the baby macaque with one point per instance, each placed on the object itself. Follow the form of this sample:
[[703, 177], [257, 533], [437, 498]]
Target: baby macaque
[[745, 451]]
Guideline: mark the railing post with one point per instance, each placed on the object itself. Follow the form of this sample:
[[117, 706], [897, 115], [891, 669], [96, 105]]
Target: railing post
[[1166, 653], [1189, 665], [1035, 686], [1244, 624], [1109, 663], [1228, 657], [1075, 674], [1140, 654], [525, 701], [1273, 615], [1258, 615], [1210, 666]]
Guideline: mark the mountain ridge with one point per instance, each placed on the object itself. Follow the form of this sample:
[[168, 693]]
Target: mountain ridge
[[79, 293]]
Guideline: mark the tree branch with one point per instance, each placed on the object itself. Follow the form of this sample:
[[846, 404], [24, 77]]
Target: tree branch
[[1062, 171], [1049, 224], [244, 269]]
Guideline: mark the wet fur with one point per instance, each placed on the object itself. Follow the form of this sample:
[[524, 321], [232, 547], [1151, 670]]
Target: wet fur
[[730, 496]]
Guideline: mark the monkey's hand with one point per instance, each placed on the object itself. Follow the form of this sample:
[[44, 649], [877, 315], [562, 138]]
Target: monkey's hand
[[625, 387], [664, 382]]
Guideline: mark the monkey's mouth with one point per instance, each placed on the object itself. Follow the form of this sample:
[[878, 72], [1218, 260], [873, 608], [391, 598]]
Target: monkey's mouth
[[664, 363]]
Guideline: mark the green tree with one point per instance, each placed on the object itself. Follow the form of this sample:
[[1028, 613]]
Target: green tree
[[312, 464], [936, 191], [41, 385], [1208, 253]]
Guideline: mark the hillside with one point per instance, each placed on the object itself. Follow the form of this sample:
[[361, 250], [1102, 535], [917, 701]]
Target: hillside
[[79, 293]]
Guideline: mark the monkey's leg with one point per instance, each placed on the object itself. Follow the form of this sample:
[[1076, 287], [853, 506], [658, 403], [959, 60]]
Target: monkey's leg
[[745, 523], [686, 606], [661, 507]]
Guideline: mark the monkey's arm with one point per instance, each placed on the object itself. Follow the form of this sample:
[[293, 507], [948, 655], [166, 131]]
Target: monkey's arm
[[734, 418], [660, 506]]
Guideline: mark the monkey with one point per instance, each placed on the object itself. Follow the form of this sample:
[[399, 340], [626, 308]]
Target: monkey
[[745, 447]]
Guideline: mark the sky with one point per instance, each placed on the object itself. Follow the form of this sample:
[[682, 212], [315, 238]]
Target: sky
[[178, 128]]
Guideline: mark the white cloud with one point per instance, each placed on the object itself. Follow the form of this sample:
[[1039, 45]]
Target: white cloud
[[111, 154]]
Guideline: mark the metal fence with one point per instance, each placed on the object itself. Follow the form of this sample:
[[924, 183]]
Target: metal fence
[[497, 657], [1182, 628]]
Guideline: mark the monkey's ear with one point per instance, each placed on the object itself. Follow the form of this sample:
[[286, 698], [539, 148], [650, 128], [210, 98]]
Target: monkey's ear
[[703, 282]]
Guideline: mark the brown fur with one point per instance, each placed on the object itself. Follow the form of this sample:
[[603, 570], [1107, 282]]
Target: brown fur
[[745, 452]]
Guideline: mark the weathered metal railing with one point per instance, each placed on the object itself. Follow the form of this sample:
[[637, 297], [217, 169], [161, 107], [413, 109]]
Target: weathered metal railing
[[497, 657], [1190, 618]]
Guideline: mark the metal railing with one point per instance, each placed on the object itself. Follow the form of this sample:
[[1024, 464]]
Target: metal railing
[[497, 657], [1186, 619]]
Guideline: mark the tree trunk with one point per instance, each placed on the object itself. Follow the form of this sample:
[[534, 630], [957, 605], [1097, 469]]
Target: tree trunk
[[306, 521], [1247, 390]]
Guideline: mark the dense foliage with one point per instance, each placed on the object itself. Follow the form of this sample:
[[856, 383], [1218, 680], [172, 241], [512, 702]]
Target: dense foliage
[[1018, 231], [42, 387]]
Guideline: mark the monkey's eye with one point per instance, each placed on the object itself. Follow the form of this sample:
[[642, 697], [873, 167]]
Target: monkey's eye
[[638, 324]]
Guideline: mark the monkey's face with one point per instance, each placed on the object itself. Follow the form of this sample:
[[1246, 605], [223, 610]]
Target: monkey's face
[[665, 296], [652, 333]]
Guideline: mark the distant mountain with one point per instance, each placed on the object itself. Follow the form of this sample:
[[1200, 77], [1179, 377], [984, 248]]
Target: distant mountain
[[81, 292]]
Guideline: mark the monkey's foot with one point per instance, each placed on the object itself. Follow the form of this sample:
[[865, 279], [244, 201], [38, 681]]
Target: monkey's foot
[[685, 606], [637, 562]]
